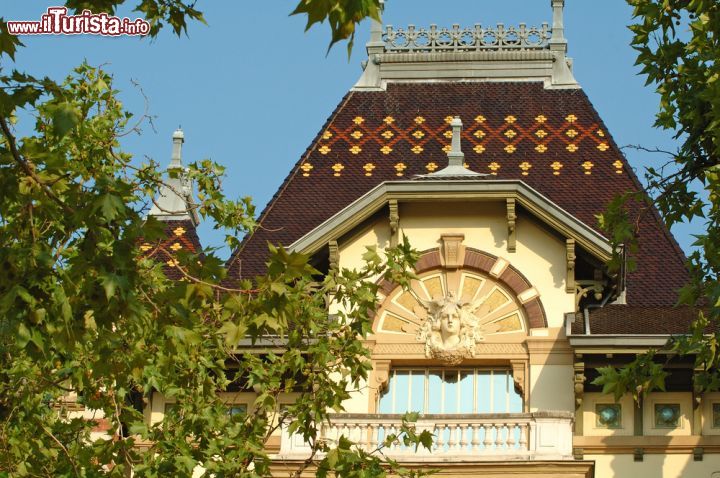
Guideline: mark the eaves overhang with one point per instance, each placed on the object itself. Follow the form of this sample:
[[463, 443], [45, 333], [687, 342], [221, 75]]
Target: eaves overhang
[[453, 190]]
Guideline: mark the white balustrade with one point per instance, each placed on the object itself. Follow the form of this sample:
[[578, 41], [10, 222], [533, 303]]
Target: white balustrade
[[543, 435]]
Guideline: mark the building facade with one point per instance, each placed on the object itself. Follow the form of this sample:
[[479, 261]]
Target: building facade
[[481, 148]]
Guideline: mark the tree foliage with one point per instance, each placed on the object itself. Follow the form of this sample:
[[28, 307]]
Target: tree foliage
[[84, 312], [678, 50]]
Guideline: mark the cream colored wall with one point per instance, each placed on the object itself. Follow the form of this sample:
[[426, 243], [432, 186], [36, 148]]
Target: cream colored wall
[[551, 388], [540, 256], [655, 466]]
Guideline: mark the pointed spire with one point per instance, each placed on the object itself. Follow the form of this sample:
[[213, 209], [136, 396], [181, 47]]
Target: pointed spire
[[174, 202], [456, 158]]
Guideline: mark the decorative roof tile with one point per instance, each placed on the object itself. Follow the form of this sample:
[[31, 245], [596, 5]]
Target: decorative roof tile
[[591, 174]]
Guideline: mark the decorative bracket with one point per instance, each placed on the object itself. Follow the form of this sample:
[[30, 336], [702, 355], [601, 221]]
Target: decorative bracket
[[584, 287], [579, 381], [334, 255], [511, 217], [570, 256], [453, 252], [379, 380], [519, 368], [394, 221]]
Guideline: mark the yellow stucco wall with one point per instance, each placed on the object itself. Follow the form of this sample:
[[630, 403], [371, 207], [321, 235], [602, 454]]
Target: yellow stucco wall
[[655, 466], [540, 256]]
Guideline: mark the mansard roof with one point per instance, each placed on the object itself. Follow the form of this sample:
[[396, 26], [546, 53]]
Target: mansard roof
[[551, 139]]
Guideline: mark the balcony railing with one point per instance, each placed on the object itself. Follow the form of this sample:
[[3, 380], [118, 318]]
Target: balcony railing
[[543, 435]]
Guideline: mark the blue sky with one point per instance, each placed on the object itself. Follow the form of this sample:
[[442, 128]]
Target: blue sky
[[252, 89]]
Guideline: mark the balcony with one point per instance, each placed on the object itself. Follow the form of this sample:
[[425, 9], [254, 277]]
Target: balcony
[[545, 435]]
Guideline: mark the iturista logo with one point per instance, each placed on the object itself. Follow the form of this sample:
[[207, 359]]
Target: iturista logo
[[56, 21]]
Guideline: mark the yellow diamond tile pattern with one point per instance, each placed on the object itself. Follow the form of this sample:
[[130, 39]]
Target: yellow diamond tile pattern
[[179, 231], [494, 167], [176, 246], [306, 168], [618, 166], [424, 134], [145, 247]]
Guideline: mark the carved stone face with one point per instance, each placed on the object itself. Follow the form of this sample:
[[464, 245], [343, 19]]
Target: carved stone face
[[450, 324]]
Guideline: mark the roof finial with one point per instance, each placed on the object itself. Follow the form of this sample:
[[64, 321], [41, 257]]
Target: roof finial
[[174, 201], [456, 157], [558, 41], [178, 140]]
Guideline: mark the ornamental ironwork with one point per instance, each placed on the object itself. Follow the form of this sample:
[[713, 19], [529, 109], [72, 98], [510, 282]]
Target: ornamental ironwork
[[475, 38]]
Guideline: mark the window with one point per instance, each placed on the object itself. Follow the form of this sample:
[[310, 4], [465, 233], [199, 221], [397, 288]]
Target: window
[[667, 415], [463, 390], [608, 415], [237, 409], [716, 415]]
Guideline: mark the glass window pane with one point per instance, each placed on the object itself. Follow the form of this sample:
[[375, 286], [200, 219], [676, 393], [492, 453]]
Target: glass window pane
[[417, 391], [516, 401], [386, 399], [402, 389], [716, 415], [466, 391], [236, 409], [435, 387], [500, 391], [667, 415], [450, 404], [483, 391]]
